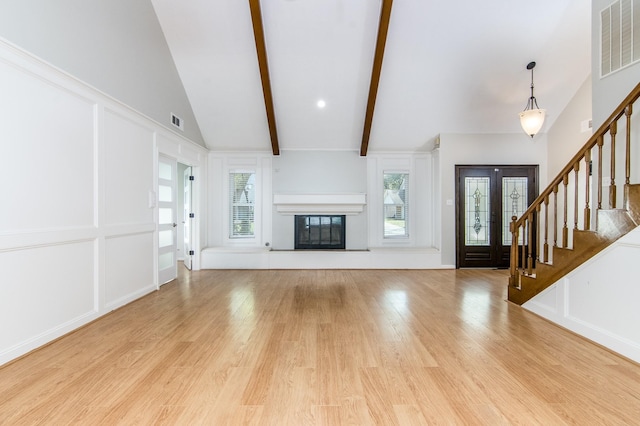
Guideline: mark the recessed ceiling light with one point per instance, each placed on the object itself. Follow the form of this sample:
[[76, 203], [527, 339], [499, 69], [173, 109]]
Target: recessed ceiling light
[[321, 103]]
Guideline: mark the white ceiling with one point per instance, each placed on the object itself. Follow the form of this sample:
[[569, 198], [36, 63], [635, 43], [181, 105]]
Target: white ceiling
[[449, 67]]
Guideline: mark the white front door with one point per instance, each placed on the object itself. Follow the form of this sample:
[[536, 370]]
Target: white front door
[[167, 204], [188, 218]]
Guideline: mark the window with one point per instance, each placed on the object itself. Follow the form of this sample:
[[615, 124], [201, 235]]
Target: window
[[242, 195], [396, 205]]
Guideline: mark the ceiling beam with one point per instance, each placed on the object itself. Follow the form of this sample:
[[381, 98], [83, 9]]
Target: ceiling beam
[[261, 50], [385, 15]]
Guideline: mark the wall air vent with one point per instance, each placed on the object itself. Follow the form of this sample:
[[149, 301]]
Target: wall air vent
[[177, 121], [619, 36]]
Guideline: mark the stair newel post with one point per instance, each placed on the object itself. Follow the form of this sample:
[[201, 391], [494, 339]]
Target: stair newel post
[[576, 169], [613, 130], [565, 229], [555, 216], [538, 241], [513, 279], [545, 249], [533, 243], [523, 249], [600, 144], [530, 244], [627, 112], [587, 175]]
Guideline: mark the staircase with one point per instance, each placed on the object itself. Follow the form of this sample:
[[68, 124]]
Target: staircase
[[560, 231]]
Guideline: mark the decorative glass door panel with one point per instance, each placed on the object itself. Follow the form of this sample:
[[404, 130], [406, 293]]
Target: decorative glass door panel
[[514, 203], [477, 226], [487, 198]]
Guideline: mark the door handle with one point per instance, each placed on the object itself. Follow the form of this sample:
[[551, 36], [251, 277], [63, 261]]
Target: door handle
[[175, 224]]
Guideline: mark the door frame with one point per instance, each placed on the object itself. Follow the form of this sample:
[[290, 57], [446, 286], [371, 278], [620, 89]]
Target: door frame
[[198, 170], [498, 257]]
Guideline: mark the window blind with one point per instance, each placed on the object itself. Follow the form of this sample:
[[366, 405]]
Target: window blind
[[241, 205]]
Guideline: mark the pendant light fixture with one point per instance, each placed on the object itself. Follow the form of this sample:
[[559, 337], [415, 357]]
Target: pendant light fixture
[[532, 118]]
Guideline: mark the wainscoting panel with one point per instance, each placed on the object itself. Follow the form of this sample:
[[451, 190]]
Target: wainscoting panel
[[46, 155], [129, 269], [45, 292], [128, 170]]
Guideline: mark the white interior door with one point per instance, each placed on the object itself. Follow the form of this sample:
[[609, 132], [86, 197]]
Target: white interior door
[[188, 218], [167, 205]]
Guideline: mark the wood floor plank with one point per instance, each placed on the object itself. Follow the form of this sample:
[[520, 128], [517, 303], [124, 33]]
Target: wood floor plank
[[262, 375], [379, 400], [409, 415], [322, 347]]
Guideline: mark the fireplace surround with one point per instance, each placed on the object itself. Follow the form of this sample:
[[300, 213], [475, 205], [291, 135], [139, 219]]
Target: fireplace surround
[[327, 230]]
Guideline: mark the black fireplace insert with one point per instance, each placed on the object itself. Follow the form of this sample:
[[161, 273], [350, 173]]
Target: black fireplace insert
[[319, 232]]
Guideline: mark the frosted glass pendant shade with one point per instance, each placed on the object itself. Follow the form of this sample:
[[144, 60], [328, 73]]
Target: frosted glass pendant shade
[[531, 120]]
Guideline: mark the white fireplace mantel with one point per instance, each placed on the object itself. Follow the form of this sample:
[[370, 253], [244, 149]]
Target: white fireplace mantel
[[347, 204]]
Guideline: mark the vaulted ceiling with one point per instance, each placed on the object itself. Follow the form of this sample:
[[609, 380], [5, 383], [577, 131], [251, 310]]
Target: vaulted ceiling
[[447, 67]]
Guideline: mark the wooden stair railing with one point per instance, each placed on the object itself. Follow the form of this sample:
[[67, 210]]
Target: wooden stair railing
[[557, 212]]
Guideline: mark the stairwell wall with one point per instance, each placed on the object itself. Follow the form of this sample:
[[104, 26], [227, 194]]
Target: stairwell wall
[[599, 299]]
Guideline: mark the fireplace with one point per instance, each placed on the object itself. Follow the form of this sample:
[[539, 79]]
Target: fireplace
[[319, 232]]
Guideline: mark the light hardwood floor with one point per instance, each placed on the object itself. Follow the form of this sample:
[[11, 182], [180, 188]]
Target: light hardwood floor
[[327, 347]]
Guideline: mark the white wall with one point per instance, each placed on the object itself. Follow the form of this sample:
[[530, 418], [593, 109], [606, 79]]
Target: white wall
[[566, 136], [116, 46], [324, 172], [77, 231], [490, 149]]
